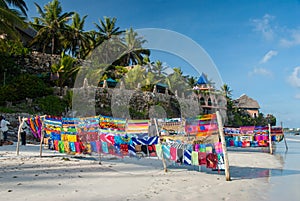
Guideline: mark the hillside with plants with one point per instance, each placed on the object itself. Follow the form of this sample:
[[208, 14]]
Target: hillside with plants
[[63, 34]]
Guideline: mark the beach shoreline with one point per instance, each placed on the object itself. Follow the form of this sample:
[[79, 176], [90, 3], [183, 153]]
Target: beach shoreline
[[65, 177]]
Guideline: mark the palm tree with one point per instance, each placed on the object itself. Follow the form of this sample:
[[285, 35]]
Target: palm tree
[[65, 70], [226, 91], [159, 69], [107, 29], [10, 18], [192, 81], [134, 53], [77, 40], [20, 4], [51, 26], [134, 77], [176, 81]]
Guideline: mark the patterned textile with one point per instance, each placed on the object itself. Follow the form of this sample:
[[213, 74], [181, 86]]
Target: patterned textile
[[166, 151], [137, 127], [112, 125], [35, 126], [52, 127], [173, 153], [145, 140], [187, 157], [158, 148], [195, 160], [88, 129]]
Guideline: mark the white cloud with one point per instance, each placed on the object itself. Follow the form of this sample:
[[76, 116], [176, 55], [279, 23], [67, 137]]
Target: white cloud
[[297, 96], [263, 25], [268, 56], [294, 78], [294, 39], [260, 71]]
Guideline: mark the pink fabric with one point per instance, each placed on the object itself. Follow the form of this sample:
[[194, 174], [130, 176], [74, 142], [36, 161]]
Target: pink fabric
[[173, 153]]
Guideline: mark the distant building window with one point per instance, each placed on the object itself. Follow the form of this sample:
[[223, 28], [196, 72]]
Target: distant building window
[[202, 101], [209, 102]]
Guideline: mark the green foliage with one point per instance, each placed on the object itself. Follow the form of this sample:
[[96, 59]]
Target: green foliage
[[22, 87], [52, 105], [6, 110], [9, 50], [134, 114], [12, 48]]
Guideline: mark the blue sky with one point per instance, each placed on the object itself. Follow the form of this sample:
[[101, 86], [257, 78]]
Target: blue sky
[[255, 45]]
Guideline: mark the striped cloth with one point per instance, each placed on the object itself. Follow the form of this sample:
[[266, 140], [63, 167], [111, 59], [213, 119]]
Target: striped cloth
[[187, 157], [137, 127], [145, 141]]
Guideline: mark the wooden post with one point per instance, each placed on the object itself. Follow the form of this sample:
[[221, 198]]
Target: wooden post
[[19, 134], [42, 138], [226, 161], [270, 140], [162, 155], [286, 147]]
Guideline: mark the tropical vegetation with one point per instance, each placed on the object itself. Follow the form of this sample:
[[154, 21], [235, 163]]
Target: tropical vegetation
[[109, 49]]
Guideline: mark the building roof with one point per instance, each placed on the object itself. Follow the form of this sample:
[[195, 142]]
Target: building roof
[[246, 102], [202, 79]]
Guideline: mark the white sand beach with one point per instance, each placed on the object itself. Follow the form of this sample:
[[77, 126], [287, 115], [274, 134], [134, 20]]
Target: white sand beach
[[58, 176]]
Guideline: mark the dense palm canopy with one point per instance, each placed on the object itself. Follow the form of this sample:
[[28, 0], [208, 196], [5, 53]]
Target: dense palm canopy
[[20, 4], [77, 40], [134, 52], [107, 28], [10, 18], [51, 26]]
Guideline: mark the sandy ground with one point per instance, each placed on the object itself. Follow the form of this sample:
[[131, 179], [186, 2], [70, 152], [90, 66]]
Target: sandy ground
[[58, 177]]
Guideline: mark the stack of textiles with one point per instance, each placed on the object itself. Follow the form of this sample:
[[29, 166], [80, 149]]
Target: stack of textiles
[[209, 155], [88, 133], [69, 140], [204, 125], [52, 128], [88, 128], [112, 125], [35, 126], [137, 127], [277, 134]]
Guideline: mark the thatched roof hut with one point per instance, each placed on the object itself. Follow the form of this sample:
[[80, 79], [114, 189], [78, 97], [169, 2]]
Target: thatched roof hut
[[245, 102]]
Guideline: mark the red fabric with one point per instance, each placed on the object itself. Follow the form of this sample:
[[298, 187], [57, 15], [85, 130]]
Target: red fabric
[[212, 160], [202, 158]]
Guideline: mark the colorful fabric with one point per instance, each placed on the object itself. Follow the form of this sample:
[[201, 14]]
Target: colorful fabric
[[94, 147], [145, 140], [166, 151], [131, 150], [209, 148], [56, 147], [137, 127], [158, 148], [187, 157], [212, 160], [124, 149], [173, 153], [218, 147], [72, 147], [35, 126], [180, 155], [66, 146], [195, 160], [202, 148], [109, 138], [197, 147], [202, 158], [104, 147], [61, 147]]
